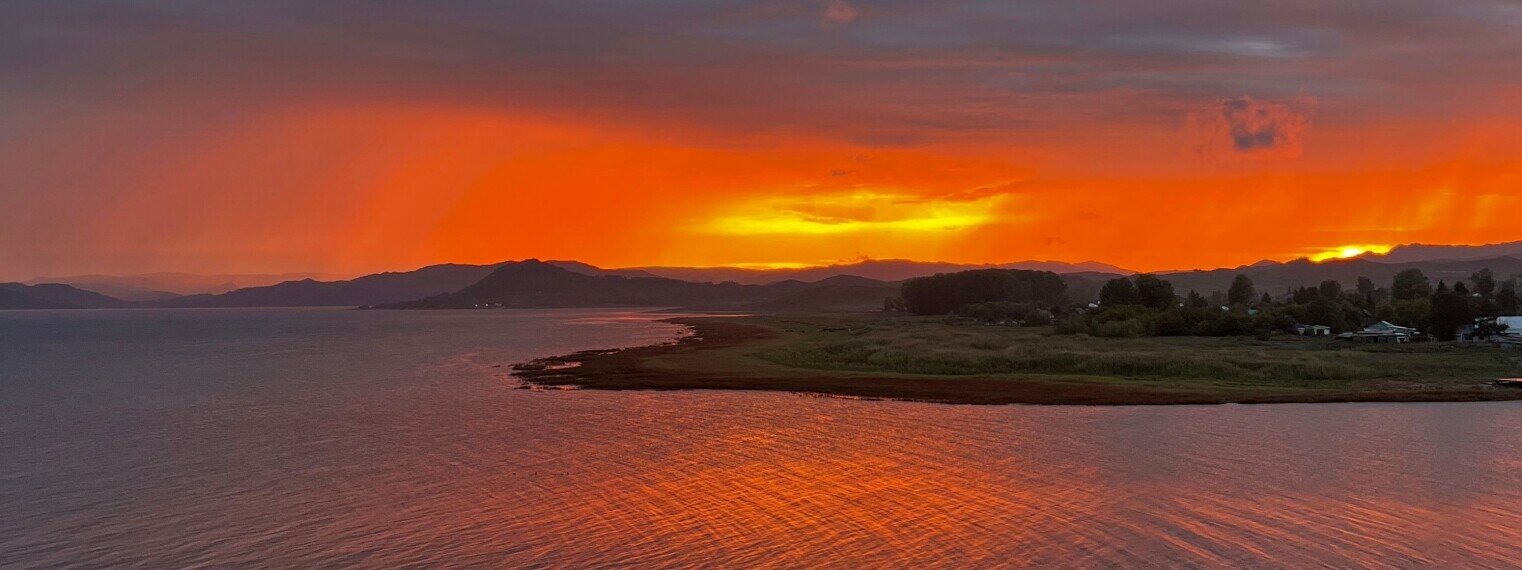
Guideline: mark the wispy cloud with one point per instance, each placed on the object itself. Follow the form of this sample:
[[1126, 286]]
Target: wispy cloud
[[837, 12]]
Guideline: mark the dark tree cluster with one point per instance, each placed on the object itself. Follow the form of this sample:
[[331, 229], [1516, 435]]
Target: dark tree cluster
[[1145, 305], [1241, 292], [1145, 290], [1412, 300], [947, 293], [1027, 314]]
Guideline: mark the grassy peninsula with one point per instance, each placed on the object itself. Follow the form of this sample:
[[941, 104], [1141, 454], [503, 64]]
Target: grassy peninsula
[[951, 360]]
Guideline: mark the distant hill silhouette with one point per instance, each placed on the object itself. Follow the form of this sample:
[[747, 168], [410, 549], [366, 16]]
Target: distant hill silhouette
[[855, 286], [1416, 252], [588, 269], [839, 293], [53, 296], [1084, 287], [881, 269], [534, 283], [1275, 278], [374, 289], [148, 286], [121, 291]]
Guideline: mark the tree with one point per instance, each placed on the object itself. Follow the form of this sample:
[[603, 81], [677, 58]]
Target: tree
[[1484, 282], [1119, 291], [1241, 292], [1326, 313], [1154, 293], [1409, 313], [1461, 289], [1367, 299], [1506, 299], [1450, 310], [1306, 295], [1331, 290], [1266, 300], [1489, 327], [945, 293], [1411, 284], [1195, 300], [1366, 288]]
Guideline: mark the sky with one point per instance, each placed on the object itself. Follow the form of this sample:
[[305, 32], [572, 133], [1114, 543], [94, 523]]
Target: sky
[[350, 137]]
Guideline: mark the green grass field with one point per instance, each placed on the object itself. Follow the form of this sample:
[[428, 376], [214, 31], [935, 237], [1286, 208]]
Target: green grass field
[[942, 359], [938, 346]]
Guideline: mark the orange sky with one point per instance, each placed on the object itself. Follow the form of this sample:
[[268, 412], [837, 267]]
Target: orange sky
[[264, 139]]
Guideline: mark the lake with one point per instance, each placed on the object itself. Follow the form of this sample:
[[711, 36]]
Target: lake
[[326, 437]]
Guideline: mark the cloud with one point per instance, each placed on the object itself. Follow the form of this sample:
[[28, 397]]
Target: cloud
[[838, 12], [981, 192], [1245, 128], [853, 212]]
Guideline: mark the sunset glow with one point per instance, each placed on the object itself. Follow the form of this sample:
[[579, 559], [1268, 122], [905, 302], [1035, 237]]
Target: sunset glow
[[761, 283], [724, 135], [856, 212], [1350, 251]]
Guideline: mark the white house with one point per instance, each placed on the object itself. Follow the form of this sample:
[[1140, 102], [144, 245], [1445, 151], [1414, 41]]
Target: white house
[[1380, 332], [1387, 326], [1313, 330]]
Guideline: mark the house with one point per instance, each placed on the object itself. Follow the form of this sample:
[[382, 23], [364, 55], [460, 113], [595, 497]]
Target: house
[[1312, 330], [1381, 332], [1386, 326], [1485, 329], [1512, 336]]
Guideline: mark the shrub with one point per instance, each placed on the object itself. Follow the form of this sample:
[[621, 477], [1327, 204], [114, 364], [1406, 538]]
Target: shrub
[[1129, 328]]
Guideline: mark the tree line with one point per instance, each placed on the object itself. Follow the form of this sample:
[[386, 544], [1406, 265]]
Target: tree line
[[1148, 305], [1143, 305], [987, 294]]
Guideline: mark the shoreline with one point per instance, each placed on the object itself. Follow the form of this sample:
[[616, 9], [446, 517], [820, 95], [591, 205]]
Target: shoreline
[[632, 369]]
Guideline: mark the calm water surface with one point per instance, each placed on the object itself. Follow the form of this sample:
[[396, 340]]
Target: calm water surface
[[301, 438]]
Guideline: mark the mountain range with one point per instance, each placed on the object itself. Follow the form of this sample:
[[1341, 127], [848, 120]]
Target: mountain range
[[377, 289], [53, 296], [856, 286], [165, 285], [1416, 252], [533, 283], [879, 269]]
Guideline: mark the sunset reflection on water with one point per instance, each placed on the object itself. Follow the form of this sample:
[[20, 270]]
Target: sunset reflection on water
[[797, 481], [225, 438]]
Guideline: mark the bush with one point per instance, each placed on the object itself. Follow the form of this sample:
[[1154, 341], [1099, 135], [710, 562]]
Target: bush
[[1076, 324], [1129, 328]]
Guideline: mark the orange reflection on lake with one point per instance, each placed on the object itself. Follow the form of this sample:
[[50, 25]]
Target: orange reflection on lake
[[320, 438]]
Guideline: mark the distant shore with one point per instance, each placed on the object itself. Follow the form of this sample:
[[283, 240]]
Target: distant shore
[[741, 353]]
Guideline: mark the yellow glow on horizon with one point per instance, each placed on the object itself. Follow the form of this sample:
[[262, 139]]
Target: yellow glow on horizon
[[765, 265], [853, 212], [1350, 251]]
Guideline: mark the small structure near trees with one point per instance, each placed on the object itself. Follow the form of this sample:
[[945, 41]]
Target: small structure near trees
[[1381, 332], [1312, 330]]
